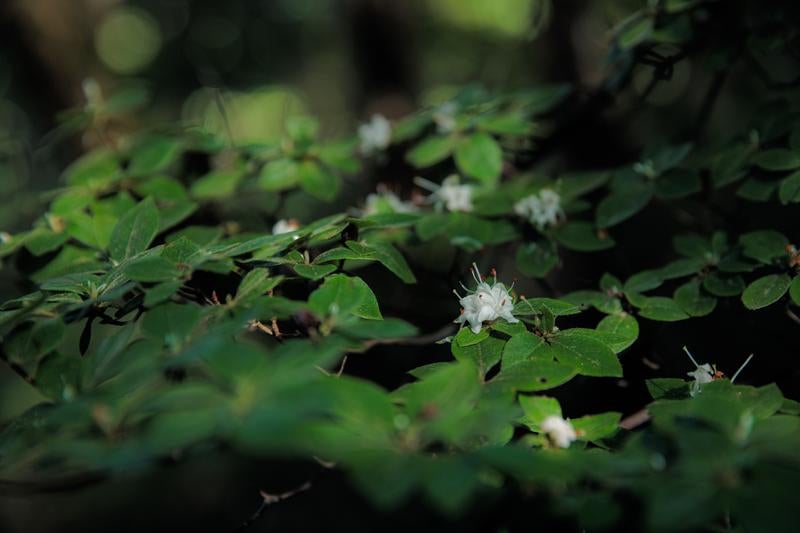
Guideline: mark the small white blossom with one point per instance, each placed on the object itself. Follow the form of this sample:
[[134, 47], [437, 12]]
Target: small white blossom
[[5, 237], [559, 431], [542, 209], [285, 226], [451, 193], [488, 302], [445, 117], [375, 135], [707, 373], [385, 201], [702, 374]]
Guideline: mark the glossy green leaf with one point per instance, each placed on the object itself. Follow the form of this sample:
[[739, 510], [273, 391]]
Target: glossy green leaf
[[765, 291]]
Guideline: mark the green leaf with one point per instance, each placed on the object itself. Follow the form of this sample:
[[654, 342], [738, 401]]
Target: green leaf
[[161, 293], [217, 184], [171, 323], [391, 258], [596, 427], [279, 175], [682, 267], [590, 356], [582, 237], [152, 269], [764, 245], [479, 156], [623, 203], [520, 348], [719, 284], [536, 259], [512, 123], [536, 306], [765, 291], [794, 290], [302, 129], [383, 252], [153, 155], [623, 326], [341, 294], [94, 170], [692, 245], [756, 190], [777, 159], [662, 309], [431, 151], [678, 184], [537, 408], [484, 354], [643, 281], [465, 337], [635, 32], [134, 232], [313, 271], [671, 388], [789, 191], [256, 283], [532, 374], [690, 298], [317, 181]]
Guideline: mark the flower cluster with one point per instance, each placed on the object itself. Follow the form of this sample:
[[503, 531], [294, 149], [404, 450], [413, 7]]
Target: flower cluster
[[542, 209], [488, 302], [375, 135], [559, 431]]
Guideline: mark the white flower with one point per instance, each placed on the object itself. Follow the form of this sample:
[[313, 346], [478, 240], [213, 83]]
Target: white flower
[[486, 303], [385, 201], [451, 193], [702, 374], [375, 135], [445, 117], [559, 431], [542, 209], [285, 226]]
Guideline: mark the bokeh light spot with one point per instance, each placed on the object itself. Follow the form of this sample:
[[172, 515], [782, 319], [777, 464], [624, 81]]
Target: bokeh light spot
[[127, 40], [255, 116]]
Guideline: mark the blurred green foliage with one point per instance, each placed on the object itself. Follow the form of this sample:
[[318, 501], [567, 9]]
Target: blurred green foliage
[[199, 283]]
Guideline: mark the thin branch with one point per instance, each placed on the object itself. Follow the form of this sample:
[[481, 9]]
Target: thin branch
[[635, 420], [422, 340], [268, 499], [791, 315]]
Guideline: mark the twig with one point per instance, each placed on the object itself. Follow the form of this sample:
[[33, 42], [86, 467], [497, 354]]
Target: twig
[[791, 315], [268, 499], [422, 340], [635, 420]]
